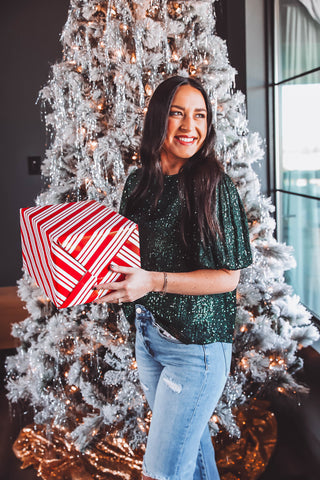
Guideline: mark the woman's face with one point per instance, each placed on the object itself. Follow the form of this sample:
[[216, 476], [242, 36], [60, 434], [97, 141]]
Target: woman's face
[[187, 125]]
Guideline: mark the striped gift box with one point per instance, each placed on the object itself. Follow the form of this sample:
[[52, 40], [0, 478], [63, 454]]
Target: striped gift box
[[67, 249]]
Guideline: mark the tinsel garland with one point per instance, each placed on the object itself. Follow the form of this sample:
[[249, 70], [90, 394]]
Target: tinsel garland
[[53, 455]]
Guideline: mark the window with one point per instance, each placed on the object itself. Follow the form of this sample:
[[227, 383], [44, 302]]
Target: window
[[296, 93]]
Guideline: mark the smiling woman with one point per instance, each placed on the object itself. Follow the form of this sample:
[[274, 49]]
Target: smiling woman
[[193, 242]]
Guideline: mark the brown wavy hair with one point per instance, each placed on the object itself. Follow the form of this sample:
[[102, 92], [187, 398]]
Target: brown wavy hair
[[198, 177]]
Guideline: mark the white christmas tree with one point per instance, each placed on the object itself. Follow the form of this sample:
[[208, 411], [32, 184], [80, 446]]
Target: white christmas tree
[[75, 366]]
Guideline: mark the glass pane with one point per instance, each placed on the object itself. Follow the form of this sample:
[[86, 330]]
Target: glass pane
[[297, 136], [299, 226], [297, 38]]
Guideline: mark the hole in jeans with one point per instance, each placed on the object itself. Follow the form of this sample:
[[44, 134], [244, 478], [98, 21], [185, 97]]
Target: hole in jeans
[[175, 387]]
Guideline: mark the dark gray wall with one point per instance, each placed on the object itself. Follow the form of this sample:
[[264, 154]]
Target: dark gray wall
[[242, 23], [256, 78], [29, 37]]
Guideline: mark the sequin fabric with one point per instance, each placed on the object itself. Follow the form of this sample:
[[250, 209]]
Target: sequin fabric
[[199, 319]]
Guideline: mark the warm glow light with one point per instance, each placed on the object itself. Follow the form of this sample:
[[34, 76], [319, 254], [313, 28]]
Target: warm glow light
[[244, 363], [175, 57], [141, 424], [133, 58], [148, 90]]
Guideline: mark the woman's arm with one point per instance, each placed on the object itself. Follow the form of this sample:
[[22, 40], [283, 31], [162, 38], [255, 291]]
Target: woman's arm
[[139, 282]]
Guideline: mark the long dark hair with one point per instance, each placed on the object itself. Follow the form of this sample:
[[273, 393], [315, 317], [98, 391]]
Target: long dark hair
[[198, 177]]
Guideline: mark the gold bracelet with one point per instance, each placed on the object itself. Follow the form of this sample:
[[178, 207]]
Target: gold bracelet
[[165, 284]]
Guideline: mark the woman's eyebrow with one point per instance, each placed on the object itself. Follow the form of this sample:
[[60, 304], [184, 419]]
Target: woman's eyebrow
[[196, 109]]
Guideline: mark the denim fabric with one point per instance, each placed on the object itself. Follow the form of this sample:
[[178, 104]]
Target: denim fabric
[[182, 384]]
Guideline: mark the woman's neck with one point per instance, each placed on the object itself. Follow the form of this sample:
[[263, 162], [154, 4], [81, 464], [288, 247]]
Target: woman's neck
[[171, 166]]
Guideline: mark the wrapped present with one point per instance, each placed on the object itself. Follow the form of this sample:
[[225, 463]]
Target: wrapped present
[[67, 249]]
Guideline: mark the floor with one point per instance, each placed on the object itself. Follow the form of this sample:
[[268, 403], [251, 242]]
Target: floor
[[297, 453]]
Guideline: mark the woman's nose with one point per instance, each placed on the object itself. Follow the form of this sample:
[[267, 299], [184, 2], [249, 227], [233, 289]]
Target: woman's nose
[[186, 124]]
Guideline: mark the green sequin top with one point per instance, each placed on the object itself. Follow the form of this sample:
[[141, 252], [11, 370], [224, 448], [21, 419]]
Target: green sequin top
[[196, 319]]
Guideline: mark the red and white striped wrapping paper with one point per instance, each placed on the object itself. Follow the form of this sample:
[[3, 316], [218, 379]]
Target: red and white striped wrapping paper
[[67, 249]]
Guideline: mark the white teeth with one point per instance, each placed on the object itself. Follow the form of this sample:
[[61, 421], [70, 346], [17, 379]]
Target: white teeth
[[185, 139]]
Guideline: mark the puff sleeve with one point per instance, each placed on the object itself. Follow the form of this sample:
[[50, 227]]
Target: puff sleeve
[[234, 251]]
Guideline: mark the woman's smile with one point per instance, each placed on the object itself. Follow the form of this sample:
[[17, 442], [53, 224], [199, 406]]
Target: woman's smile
[[185, 140]]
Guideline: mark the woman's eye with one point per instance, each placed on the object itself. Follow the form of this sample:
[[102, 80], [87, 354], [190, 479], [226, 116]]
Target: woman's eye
[[175, 113], [200, 115]]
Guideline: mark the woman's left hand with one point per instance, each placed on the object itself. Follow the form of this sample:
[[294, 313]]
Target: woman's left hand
[[137, 283]]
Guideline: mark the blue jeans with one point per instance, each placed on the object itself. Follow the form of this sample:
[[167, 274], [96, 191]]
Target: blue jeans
[[182, 384]]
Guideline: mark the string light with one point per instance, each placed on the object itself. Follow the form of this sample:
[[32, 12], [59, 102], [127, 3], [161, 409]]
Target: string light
[[244, 363], [93, 144], [174, 57], [275, 362], [192, 70], [148, 90]]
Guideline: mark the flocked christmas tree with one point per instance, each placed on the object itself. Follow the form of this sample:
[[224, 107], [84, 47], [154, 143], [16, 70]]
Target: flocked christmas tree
[[76, 366]]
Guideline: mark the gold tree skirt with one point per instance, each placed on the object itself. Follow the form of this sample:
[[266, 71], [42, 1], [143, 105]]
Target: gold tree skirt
[[247, 458], [53, 455]]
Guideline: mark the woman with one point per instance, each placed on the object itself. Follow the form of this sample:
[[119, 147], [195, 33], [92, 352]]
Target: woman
[[194, 241]]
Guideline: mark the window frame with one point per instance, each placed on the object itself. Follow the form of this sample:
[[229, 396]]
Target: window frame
[[272, 21]]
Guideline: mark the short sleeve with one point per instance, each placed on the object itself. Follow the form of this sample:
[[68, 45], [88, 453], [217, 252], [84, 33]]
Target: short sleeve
[[234, 251]]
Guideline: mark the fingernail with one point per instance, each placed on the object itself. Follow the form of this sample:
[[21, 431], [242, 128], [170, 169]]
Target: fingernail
[[112, 265], [94, 288]]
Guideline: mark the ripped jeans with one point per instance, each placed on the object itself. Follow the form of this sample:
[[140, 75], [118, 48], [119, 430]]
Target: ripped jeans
[[182, 384]]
